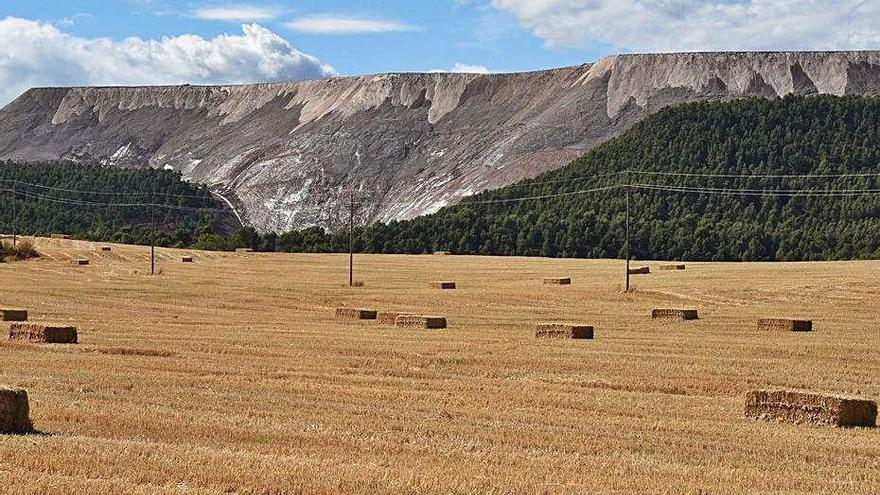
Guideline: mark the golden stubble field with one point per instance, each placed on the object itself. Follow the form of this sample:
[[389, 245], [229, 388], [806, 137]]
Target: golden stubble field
[[230, 375]]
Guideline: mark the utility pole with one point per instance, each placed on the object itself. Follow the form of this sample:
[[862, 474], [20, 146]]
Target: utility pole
[[627, 235], [351, 237], [14, 219], [152, 239]]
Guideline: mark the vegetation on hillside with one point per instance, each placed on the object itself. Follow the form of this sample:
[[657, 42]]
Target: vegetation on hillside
[[48, 198], [792, 136]]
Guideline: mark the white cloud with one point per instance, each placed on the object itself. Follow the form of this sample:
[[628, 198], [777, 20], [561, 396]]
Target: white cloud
[[333, 24], [236, 13], [39, 54], [465, 69], [685, 25]]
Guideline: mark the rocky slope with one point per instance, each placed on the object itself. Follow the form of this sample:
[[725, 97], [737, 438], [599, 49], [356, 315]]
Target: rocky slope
[[286, 154]]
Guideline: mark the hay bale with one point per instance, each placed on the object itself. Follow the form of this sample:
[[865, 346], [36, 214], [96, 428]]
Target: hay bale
[[799, 407], [563, 331], [43, 333], [442, 285], [557, 281], [244, 250], [106, 249], [79, 262], [441, 253], [644, 270], [14, 411], [785, 325], [388, 317], [418, 321], [672, 267], [355, 314], [13, 315], [675, 314], [186, 259], [60, 236]]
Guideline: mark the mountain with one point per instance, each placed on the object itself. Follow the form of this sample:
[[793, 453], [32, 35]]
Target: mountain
[[285, 154]]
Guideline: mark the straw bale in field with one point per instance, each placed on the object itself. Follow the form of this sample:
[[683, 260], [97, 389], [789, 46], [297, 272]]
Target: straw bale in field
[[672, 267], [13, 315], [557, 281], [355, 314], [14, 411], [41, 332], [388, 317], [563, 331], [801, 407], [785, 325], [417, 321], [442, 285], [675, 314]]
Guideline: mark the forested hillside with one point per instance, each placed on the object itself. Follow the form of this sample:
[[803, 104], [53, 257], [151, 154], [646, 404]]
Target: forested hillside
[[792, 136], [106, 203]]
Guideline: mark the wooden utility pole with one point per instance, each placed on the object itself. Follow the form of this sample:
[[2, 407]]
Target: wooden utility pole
[[627, 237], [152, 240], [14, 219], [351, 238]]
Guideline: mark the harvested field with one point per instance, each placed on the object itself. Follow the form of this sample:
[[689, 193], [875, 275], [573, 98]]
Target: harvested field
[[667, 268], [13, 315], [355, 314], [557, 281], [799, 407], [675, 314], [442, 285], [265, 392], [43, 333], [785, 325], [418, 321], [14, 411], [563, 331]]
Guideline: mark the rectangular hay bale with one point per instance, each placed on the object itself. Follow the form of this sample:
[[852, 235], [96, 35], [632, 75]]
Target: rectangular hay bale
[[14, 411], [43, 333], [60, 236], [186, 259], [79, 262], [442, 285], [557, 281], [388, 317], [244, 250], [563, 331], [106, 249], [13, 315], [800, 407], [785, 325], [355, 314], [441, 253], [672, 267], [644, 270], [418, 321], [675, 314]]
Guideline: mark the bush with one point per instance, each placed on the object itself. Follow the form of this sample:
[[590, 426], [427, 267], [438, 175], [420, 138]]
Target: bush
[[24, 249]]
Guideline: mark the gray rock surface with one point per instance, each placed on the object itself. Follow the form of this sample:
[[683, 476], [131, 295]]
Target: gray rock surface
[[284, 154]]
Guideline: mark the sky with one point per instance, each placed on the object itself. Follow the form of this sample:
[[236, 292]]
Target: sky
[[135, 42]]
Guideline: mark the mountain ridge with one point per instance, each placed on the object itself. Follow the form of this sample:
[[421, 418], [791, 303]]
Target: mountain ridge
[[284, 153]]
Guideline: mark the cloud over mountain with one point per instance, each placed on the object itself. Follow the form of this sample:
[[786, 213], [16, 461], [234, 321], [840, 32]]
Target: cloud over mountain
[[34, 53]]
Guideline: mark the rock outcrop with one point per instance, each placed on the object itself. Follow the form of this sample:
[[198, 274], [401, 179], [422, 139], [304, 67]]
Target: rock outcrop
[[285, 154]]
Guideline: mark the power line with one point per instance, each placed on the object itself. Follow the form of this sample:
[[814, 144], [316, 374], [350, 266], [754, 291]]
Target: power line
[[102, 193], [78, 202]]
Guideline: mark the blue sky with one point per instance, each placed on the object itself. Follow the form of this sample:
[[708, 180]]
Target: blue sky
[[132, 42]]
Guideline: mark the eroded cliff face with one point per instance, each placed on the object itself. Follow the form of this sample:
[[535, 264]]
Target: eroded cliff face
[[285, 154]]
